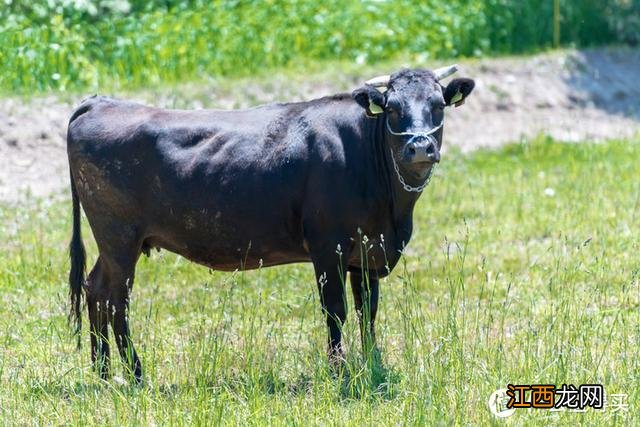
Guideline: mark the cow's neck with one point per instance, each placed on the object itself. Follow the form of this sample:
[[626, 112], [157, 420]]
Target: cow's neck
[[401, 201]]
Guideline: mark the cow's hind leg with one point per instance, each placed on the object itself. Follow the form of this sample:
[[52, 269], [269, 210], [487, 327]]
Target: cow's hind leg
[[122, 283], [108, 301], [97, 304]]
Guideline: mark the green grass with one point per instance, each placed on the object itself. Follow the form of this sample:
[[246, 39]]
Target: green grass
[[86, 45], [523, 268]]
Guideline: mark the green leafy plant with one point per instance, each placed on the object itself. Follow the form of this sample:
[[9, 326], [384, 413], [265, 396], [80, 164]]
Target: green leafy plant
[[84, 44]]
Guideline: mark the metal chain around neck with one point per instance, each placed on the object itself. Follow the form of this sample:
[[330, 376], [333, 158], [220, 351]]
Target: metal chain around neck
[[406, 186]]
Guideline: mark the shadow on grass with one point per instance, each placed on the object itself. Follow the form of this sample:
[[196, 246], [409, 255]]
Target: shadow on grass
[[80, 390], [367, 377], [357, 378]]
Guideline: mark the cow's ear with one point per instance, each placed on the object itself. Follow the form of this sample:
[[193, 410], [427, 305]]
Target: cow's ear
[[457, 90], [370, 99]]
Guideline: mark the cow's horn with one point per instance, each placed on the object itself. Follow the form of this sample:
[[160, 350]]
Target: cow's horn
[[444, 72], [380, 81]]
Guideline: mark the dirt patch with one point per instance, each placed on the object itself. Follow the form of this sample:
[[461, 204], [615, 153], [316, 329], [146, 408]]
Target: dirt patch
[[573, 96]]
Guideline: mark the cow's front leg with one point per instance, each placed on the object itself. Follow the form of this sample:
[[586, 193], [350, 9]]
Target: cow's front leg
[[331, 274], [365, 296]]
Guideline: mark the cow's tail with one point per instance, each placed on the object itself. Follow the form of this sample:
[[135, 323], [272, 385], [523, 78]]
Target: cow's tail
[[78, 256]]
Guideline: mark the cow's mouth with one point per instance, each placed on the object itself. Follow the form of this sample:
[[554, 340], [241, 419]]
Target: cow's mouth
[[420, 169]]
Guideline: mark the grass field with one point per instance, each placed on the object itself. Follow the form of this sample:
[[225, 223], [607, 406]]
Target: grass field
[[524, 268], [85, 45]]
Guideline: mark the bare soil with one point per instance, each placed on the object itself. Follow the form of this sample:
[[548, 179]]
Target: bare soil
[[571, 95]]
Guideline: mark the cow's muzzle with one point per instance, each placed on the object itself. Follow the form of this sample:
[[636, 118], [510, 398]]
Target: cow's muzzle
[[421, 149]]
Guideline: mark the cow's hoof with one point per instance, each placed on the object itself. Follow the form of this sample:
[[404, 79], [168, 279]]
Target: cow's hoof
[[138, 381], [336, 358], [374, 355], [103, 370]]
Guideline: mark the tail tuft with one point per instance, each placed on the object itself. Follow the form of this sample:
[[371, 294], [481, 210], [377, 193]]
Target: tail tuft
[[77, 255]]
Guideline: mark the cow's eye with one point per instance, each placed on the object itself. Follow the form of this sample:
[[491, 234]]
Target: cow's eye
[[394, 111], [393, 108], [438, 106]]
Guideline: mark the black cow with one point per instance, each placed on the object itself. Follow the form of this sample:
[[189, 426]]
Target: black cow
[[270, 185]]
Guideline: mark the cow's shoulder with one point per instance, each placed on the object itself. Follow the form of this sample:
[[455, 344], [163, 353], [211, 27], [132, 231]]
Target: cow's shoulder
[[333, 126]]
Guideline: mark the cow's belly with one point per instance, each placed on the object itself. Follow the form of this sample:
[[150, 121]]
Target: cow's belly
[[224, 257], [228, 232], [222, 252]]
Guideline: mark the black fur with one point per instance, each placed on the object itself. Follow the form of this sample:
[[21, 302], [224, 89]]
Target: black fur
[[77, 256]]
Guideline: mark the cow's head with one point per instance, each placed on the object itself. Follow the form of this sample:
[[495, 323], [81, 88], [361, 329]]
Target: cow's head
[[412, 103]]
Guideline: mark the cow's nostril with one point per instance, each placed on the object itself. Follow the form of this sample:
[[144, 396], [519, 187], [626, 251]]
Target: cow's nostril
[[411, 150]]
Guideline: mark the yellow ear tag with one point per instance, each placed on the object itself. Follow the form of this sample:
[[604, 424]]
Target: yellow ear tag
[[374, 108], [457, 99]]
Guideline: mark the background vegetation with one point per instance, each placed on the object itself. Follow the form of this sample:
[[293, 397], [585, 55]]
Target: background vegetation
[[85, 44], [523, 268]]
